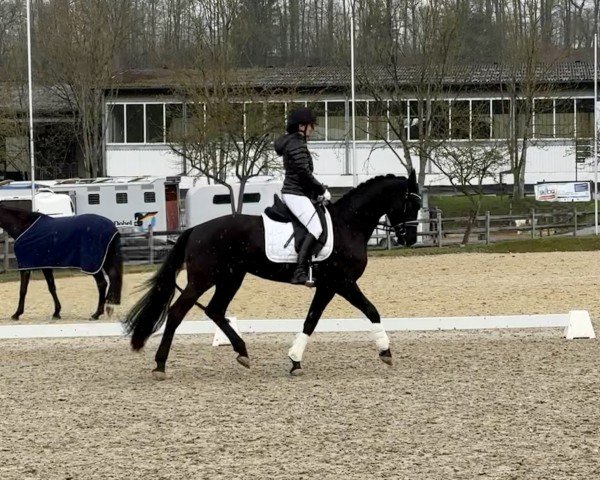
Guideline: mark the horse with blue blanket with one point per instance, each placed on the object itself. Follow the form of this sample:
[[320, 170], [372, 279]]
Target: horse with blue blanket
[[222, 251], [90, 243]]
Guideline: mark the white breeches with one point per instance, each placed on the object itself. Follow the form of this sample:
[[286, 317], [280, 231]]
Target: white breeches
[[304, 211]]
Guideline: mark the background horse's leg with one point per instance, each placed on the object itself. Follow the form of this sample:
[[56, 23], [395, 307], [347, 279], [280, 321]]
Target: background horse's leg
[[113, 267], [101, 283], [323, 296], [25, 275], [224, 292], [354, 295], [177, 312], [52, 289]]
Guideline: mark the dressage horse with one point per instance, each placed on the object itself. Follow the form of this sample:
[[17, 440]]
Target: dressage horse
[[221, 251], [17, 222]]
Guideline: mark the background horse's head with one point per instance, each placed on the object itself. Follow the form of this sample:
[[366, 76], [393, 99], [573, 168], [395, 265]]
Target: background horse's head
[[404, 210]]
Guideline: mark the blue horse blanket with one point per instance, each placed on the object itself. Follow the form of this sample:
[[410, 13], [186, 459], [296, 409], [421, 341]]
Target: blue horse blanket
[[80, 241]]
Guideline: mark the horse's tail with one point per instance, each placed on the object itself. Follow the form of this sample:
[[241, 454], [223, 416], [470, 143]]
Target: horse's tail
[[150, 312], [114, 271]]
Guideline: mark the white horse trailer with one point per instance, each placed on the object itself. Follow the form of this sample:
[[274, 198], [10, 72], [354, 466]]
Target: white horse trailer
[[205, 202], [18, 195], [134, 204]]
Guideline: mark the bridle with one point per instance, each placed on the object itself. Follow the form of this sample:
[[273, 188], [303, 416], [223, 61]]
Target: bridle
[[400, 228]]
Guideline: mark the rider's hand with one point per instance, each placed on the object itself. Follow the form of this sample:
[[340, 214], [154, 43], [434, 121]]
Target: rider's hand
[[325, 197]]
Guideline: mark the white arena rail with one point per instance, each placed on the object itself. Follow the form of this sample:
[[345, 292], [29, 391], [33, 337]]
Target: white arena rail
[[576, 324]]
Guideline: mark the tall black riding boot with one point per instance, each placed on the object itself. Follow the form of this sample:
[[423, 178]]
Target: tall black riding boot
[[304, 255]]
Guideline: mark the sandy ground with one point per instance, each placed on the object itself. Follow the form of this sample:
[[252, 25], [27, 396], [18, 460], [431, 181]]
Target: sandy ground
[[456, 405]]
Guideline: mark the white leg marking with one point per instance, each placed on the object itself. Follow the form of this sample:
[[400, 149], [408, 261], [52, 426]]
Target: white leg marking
[[298, 347], [381, 339]]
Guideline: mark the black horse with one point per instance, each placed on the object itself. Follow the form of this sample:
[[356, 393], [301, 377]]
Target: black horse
[[221, 251], [16, 221]]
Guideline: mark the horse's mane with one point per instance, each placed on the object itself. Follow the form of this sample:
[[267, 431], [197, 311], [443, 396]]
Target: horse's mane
[[366, 185], [20, 212]]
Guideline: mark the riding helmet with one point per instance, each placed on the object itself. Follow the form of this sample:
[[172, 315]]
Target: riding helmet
[[300, 116]]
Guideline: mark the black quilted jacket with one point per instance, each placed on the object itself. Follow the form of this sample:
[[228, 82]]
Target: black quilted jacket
[[298, 165]]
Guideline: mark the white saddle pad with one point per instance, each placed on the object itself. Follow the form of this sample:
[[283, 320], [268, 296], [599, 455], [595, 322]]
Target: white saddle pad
[[277, 234]]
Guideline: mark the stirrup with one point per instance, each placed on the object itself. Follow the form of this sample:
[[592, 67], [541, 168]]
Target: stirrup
[[310, 281]]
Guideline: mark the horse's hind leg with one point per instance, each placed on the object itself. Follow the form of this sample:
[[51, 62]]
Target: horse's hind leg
[[225, 290], [52, 289], [113, 267], [25, 276], [177, 312], [102, 284]]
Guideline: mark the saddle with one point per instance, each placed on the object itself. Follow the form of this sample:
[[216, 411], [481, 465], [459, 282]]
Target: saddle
[[279, 212]]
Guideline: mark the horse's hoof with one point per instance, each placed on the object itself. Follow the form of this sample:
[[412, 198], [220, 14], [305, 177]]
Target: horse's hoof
[[159, 375], [110, 311], [15, 317], [386, 357], [244, 361], [296, 370], [94, 317], [56, 317]]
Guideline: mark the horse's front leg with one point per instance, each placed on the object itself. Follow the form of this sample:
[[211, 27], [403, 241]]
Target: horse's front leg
[[25, 276], [321, 299], [101, 283], [353, 294]]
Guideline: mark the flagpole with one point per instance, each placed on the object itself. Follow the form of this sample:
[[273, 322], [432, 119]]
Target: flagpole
[[353, 95], [30, 88], [596, 133]]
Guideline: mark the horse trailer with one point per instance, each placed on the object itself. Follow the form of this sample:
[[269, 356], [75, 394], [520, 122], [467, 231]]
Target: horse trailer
[[18, 195]]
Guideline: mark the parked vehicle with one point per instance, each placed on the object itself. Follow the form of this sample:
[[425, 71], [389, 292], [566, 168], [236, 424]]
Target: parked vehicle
[[18, 194]]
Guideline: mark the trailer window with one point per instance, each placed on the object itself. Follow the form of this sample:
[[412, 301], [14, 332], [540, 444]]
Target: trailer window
[[222, 199], [122, 197], [94, 199], [251, 197], [149, 197]]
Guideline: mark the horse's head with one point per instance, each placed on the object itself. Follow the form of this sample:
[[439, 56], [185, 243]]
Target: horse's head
[[404, 210]]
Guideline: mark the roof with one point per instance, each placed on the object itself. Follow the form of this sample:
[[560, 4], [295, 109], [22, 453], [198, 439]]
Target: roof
[[332, 77]]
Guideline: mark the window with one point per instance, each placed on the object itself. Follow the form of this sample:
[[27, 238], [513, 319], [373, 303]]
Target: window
[[318, 110], [524, 118], [275, 117], [336, 121], [93, 199], [134, 114], [415, 109], [149, 197], [121, 197], [116, 123], [360, 123], [543, 123], [255, 119], [481, 120], [398, 119], [440, 119], [565, 118], [500, 118], [251, 198], [461, 120], [584, 117], [222, 199], [154, 123], [174, 121], [378, 121]]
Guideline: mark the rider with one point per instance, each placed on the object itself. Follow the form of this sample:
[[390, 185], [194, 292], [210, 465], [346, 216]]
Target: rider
[[300, 187]]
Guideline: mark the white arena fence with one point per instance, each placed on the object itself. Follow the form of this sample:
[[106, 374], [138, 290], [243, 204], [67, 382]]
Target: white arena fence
[[575, 324]]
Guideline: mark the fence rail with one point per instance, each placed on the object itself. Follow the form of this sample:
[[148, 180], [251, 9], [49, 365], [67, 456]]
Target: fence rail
[[152, 246]]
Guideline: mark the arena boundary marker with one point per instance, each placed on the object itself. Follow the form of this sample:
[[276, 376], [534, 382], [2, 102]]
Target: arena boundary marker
[[576, 324]]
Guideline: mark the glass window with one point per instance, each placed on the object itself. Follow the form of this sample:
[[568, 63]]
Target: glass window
[[360, 123], [415, 114], [154, 123], [378, 122], [251, 198], [398, 119], [336, 121], [174, 121], [524, 118], [585, 117], [255, 119], [116, 123], [275, 117], [224, 199], [543, 122], [500, 118], [195, 120], [565, 118], [122, 197], [149, 197], [440, 112], [480, 119], [93, 199], [135, 123], [318, 110]]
